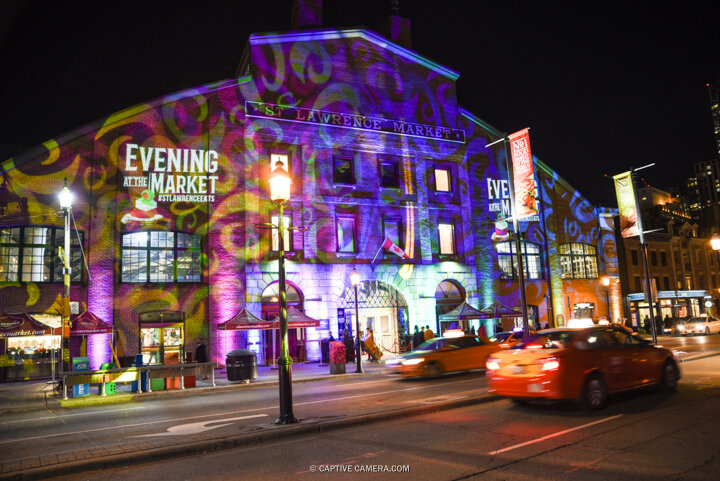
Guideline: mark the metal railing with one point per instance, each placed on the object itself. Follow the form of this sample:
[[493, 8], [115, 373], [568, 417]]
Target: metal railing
[[137, 374]]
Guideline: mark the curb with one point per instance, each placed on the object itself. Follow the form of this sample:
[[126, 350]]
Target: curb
[[162, 453], [41, 402]]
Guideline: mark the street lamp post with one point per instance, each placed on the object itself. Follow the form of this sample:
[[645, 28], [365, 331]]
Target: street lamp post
[[66, 200], [355, 281], [606, 283], [280, 193]]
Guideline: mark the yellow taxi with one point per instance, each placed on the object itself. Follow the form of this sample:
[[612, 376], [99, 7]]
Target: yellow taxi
[[508, 339], [585, 364], [450, 353]]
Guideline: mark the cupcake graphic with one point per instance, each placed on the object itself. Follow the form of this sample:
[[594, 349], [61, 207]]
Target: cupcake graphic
[[145, 209], [501, 230]]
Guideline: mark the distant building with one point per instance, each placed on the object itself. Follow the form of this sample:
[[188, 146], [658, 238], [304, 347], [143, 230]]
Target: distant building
[[684, 270], [715, 112]]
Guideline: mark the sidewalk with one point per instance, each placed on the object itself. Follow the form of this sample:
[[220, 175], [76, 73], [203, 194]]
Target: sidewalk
[[28, 396]]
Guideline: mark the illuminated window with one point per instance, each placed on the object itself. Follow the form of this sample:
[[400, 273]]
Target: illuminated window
[[442, 180], [578, 261], [282, 158], [287, 234], [446, 238], [389, 174], [343, 171], [346, 234], [33, 254], [507, 259], [161, 256]]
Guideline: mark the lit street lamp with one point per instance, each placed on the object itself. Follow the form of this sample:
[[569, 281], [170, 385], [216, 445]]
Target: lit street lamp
[[606, 283], [66, 200], [355, 281], [280, 193]]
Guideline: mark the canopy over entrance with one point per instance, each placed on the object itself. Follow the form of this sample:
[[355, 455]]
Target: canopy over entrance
[[297, 319], [462, 312], [498, 310], [22, 324], [243, 321], [88, 323]]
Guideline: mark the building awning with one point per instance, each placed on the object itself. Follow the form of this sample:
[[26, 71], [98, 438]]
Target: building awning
[[88, 323], [498, 310], [462, 312], [297, 319], [244, 320], [22, 324]]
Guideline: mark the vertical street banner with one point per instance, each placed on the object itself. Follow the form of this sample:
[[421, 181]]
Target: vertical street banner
[[626, 204], [523, 174]]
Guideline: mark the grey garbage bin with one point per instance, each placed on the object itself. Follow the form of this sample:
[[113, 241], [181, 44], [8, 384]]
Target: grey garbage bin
[[241, 365]]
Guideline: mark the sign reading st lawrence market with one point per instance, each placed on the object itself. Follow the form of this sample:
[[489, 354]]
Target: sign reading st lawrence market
[[353, 121]]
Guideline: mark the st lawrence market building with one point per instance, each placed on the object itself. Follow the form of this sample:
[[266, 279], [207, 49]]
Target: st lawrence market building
[[170, 224]]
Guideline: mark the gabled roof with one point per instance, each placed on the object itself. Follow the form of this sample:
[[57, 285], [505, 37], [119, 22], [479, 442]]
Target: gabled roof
[[336, 33]]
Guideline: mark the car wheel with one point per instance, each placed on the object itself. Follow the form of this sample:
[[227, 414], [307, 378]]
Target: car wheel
[[668, 378], [432, 370], [595, 393]]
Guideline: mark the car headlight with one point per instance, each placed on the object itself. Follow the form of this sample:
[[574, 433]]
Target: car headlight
[[698, 327], [681, 327], [412, 362], [492, 364]]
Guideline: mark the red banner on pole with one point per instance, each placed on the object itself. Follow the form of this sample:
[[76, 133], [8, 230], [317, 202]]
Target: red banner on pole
[[523, 174]]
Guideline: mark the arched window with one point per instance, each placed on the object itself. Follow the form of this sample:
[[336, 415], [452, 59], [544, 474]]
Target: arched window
[[448, 296], [32, 254], [271, 294], [161, 256], [532, 259], [578, 261]]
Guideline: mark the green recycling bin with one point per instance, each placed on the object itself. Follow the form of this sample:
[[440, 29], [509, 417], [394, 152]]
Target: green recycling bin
[[110, 387]]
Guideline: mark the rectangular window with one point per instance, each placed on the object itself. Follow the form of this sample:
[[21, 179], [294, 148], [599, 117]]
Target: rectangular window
[[343, 171], [663, 259], [134, 265], [634, 255], [282, 158], [442, 180], [389, 174], [653, 258], [666, 283], [638, 284], [391, 230], [161, 256], [446, 238], [287, 234], [346, 234]]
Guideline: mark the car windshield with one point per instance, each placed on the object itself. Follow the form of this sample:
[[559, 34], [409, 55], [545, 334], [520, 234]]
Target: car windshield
[[432, 344], [547, 340], [501, 337]]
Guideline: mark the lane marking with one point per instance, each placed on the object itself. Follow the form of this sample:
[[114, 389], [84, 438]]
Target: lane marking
[[201, 427], [45, 436], [437, 399], [550, 436], [70, 415]]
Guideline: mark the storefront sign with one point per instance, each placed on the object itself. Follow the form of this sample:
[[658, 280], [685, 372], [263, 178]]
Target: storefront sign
[[353, 121], [167, 175], [523, 174], [626, 204]]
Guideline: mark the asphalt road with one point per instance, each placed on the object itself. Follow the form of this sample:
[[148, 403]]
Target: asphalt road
[[202, 417], [641, 435]]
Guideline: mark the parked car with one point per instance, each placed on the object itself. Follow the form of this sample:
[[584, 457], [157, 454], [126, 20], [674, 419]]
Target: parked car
[[585, 364], [699, 325], [442, 355]]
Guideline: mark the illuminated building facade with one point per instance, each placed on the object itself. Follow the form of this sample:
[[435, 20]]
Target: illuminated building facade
[[174, 205]]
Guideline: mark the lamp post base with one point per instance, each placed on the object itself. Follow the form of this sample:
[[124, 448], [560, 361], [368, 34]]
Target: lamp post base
[[285, 384]]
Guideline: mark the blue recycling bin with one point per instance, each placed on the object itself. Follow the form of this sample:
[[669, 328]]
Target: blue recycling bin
[[143, 377]]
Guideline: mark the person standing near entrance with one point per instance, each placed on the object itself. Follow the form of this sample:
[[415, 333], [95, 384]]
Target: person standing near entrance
[[428, 334], [417, 338], [201, 353]]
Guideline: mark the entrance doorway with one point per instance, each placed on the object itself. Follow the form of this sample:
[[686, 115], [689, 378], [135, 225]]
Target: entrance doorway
[[270, 300], [448, 295], [383, 309]]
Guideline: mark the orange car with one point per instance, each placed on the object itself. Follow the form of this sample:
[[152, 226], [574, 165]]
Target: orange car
[[444, 354], [509, 338], [586, 364]]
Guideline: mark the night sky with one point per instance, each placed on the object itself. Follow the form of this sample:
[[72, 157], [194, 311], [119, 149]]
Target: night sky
[[603, 86]]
